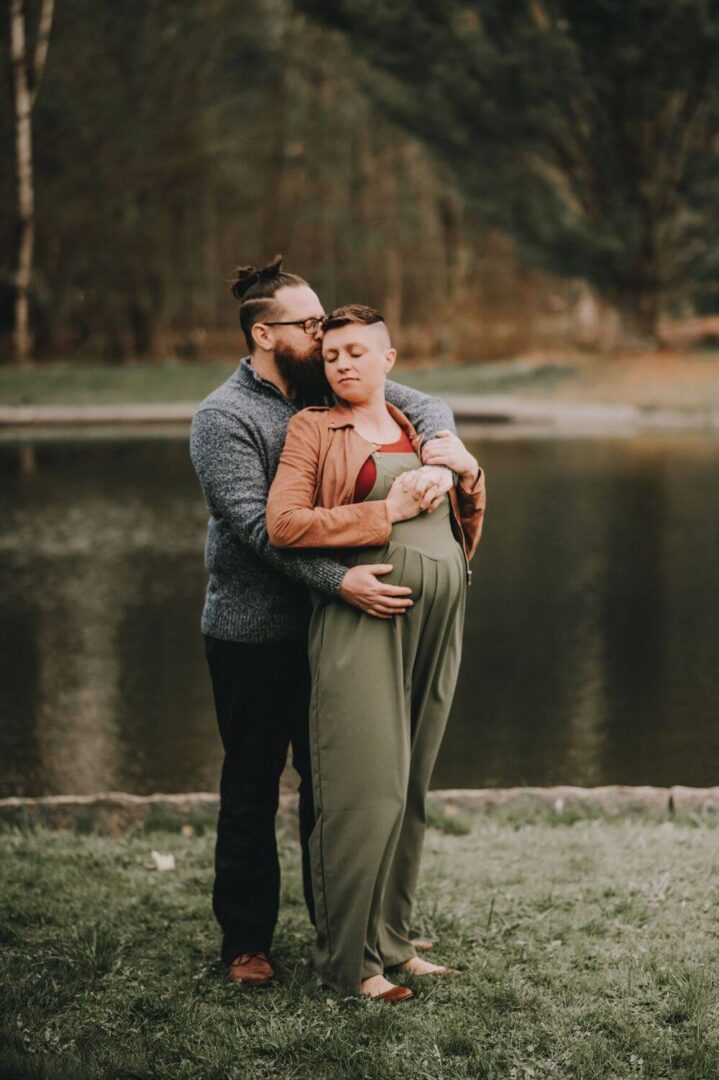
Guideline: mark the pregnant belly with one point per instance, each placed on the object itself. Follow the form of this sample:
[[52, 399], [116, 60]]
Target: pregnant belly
[[413, 568]]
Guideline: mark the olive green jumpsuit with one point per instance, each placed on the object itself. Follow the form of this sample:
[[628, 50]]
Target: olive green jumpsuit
[[381, 694]]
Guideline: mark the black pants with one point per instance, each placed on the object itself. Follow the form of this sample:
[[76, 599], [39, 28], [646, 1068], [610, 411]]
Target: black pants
[[262, 695]]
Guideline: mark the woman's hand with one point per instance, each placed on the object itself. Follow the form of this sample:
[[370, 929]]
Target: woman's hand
[[401, 498], [447, 449], [426, 486], [429, 485]]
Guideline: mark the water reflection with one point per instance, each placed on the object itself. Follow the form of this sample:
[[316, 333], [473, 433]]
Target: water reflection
[[591, 644], [595, 636], [102, 582]]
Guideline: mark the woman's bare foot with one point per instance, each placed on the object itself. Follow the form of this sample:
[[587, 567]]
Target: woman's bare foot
[[376, 985], [422, 945], [417, 966]]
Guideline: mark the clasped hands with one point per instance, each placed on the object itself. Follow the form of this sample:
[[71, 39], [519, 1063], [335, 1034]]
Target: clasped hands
[[424, 488], [420, 489]]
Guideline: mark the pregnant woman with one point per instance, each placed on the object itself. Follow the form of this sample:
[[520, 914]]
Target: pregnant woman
[[382, 686]]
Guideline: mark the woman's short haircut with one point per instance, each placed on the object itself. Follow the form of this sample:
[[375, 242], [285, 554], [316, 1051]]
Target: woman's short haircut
[[351, 313]]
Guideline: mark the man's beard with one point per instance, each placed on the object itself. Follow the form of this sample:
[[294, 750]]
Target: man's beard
[[304, 375]]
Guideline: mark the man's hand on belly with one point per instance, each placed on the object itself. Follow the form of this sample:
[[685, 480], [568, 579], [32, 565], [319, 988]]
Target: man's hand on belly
[[362, 587], [429, 485]]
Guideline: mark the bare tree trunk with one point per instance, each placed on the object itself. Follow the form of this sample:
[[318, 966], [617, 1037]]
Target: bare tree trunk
[[393, 285], [456, 259], [26, 77], [389, 162]]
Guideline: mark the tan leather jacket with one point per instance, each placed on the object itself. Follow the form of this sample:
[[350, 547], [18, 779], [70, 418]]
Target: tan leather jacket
[[310, 502]]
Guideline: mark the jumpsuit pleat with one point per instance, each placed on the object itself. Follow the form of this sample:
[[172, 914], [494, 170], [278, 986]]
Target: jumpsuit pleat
[[381, 695]]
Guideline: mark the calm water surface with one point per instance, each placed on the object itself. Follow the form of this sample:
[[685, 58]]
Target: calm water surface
[[591, 645]]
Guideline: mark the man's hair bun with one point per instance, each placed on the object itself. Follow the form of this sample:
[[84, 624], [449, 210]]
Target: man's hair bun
[[256, 289], [247, 276]]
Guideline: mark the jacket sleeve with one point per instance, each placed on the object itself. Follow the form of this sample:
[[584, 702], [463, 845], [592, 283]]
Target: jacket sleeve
[[470, 507], [427, 414], [233, 477], [293, 519]]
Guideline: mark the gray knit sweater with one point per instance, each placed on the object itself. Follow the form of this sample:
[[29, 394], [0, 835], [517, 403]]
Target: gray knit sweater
[[256, 592]]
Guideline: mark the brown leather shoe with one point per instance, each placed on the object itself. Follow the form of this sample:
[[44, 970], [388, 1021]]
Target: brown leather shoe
[[252, 968], [397, 993]]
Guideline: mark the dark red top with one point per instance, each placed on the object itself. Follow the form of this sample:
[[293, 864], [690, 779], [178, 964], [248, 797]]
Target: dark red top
[[368, 473]]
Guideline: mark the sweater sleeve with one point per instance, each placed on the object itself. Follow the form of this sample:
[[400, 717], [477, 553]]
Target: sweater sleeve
[[427, 414], [234, 482], [293, 519]]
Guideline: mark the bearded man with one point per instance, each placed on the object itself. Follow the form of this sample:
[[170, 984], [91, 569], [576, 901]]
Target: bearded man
[[256, 613]]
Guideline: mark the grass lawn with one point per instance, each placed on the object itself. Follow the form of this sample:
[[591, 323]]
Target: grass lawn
[[687, 381], [61, 384], [589, 951], [91, 385]]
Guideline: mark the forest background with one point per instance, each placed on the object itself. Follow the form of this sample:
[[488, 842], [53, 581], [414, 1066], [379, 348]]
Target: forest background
[[492, 177]]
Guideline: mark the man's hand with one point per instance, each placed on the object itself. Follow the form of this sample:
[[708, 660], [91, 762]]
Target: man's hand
[[428, 485], [362, 588], [447, 449]]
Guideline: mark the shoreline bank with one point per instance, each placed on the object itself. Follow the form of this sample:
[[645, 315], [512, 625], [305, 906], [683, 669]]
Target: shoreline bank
[[491, 410], [117, 812]]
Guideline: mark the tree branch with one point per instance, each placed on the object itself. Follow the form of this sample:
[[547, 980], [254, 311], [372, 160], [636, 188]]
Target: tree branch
[[41, 46]]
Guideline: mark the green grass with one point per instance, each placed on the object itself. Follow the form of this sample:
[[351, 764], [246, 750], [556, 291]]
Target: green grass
[[497, 377], [63, 384], [588, 951], [687, 382]]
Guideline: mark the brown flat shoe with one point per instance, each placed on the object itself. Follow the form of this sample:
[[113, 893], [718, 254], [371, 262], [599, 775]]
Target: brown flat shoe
[[253, 968], [397, 993]]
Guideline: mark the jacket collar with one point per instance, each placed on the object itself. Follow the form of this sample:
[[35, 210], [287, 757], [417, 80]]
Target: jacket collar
[[247, 375], [340, 416]]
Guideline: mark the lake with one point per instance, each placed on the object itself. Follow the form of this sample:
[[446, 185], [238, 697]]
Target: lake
[[591, 647]]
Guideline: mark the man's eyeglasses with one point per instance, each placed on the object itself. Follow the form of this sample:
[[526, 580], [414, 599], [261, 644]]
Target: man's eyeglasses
[[309, 326]]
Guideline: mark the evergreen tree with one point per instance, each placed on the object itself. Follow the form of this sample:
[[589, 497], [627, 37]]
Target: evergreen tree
[[586, 129]]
